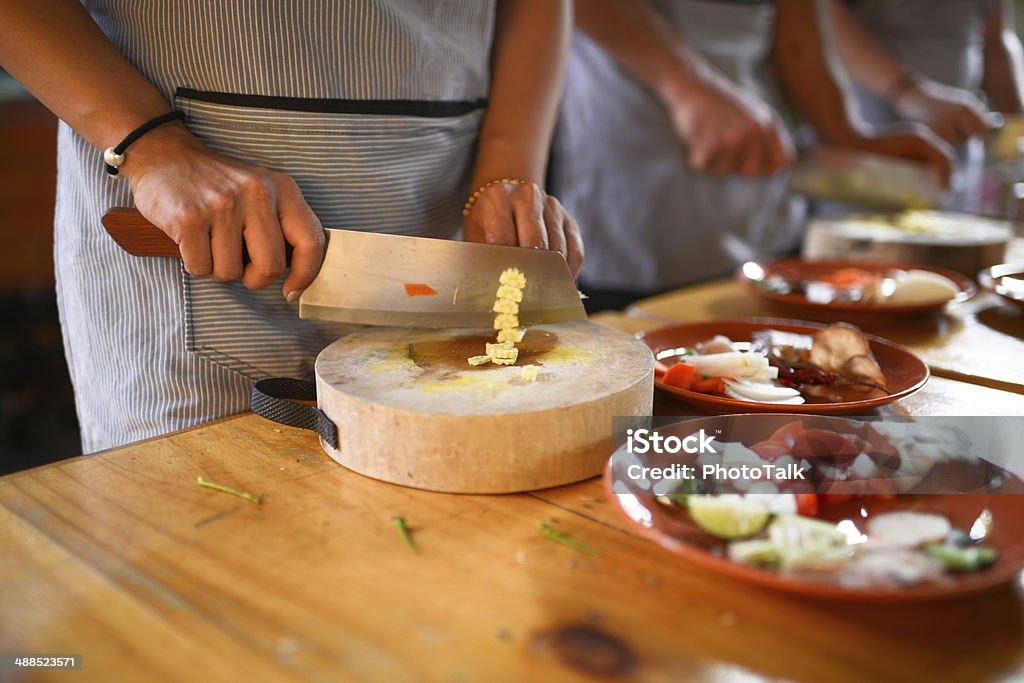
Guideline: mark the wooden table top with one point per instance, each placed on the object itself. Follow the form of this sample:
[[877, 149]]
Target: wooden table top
[[122, 558]]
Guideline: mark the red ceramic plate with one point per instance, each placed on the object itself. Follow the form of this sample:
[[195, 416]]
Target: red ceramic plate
[[1006, 280], [905, 373], [755, 276], [673, 529]]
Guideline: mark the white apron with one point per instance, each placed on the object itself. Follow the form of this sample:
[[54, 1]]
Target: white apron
[[649, 221], [372, 106]]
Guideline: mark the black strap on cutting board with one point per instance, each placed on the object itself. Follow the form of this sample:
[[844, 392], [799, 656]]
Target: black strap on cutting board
[[275, 398]]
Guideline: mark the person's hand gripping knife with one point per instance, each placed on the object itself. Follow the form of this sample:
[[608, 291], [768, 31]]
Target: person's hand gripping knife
[[816, 80], [209, 204], [725, 129], [507, 203]]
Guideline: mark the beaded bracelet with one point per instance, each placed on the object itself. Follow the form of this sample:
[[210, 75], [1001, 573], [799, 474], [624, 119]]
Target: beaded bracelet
[[480, 190], [113, 157]]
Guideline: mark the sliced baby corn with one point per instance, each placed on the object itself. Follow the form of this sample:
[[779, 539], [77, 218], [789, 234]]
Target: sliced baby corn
[[513, 277], [506, 306], [506, 321], [511, 334]]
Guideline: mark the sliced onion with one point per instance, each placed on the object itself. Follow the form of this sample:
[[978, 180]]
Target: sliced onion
[[768, 373], [732, 364], [762, 392]]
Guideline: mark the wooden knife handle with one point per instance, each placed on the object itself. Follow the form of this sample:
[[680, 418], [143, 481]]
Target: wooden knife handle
[[139, 237], [136, 235]]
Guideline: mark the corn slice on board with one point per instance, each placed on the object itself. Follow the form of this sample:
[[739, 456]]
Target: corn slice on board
[[411, 410]]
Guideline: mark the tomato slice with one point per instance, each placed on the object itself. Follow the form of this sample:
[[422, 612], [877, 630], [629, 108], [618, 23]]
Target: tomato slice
[[806, 504], [787, 433], [770, 450], [849, 277], [836, 497], [710, 385], [814, 443], [680, 375]]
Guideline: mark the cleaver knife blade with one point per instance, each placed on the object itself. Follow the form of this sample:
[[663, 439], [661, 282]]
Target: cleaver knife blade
[[364, 276]]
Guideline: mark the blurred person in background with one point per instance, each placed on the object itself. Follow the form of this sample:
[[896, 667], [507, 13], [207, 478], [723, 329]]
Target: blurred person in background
[[673, 144], [929, 61], [369, 114]]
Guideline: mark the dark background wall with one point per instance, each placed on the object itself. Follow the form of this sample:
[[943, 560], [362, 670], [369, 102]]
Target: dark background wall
[[37, 416]]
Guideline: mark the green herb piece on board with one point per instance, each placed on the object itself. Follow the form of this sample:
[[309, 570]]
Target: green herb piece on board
[[565, 539], [245, 495], [403, 531]]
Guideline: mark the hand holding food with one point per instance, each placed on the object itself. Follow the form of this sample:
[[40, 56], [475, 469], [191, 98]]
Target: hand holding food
[[955, 115], [211, 205], [517, 213]]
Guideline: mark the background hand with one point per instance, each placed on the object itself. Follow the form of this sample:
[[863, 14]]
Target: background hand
[[526, 216], [954, 114], [209, 204], [730, 131], [915, 144]]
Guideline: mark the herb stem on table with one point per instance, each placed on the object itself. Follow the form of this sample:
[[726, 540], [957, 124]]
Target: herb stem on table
[[558, 537], [406, 535], [245, 495]]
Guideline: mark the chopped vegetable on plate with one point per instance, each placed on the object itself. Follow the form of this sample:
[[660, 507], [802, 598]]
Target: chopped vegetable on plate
[[778, 367]]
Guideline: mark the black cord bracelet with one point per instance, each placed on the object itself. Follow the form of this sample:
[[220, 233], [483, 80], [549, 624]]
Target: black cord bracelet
[[114, 156]]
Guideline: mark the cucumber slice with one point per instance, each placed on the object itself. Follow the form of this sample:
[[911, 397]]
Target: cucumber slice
[[970, 559]]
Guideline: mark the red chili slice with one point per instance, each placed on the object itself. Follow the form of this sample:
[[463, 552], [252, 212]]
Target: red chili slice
[[420, 290]]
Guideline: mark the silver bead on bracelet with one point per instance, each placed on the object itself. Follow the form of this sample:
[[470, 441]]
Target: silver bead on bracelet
[[112, 158]]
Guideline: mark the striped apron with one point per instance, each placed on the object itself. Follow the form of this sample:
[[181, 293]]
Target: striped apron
[[650, 222], [372, 106]]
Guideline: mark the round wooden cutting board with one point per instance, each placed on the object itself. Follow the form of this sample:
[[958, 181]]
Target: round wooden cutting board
[[410, 410]]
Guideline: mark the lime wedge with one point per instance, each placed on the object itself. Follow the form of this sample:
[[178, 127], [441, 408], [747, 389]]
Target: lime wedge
[[728, 517]]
